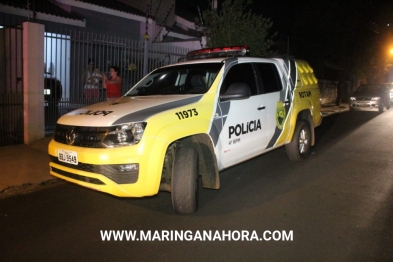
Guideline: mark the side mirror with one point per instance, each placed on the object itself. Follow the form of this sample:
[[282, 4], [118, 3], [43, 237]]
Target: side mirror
[[236, 91]]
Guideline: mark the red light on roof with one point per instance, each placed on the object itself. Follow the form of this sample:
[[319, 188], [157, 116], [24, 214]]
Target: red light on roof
[[219, 52]]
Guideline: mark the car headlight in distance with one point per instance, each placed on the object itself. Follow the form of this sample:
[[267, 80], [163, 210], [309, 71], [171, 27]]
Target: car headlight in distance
[[352, 98], [375, 98], [125, 134]]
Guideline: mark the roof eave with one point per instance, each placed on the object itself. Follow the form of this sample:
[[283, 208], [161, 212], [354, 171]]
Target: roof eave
[[41, 16], [104, 10]]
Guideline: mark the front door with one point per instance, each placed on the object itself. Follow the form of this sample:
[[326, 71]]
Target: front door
[[244, 130]]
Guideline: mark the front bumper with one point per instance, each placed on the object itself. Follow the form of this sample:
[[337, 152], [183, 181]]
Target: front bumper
[[109, 171], [365, 105], [96, 169]]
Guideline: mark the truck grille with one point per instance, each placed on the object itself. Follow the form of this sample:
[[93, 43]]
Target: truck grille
[[363, 99], [80, 136]]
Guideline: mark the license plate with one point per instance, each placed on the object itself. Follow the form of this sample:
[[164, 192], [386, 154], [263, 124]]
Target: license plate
[[67, 156]]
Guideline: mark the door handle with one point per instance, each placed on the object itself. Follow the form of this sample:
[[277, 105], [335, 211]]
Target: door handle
[[261, 107]]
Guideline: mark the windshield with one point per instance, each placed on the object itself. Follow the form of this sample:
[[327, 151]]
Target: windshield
[[181, 79], [369, 89]]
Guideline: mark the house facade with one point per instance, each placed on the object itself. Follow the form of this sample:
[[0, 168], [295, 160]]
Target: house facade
[[136, 36], [122, 18]]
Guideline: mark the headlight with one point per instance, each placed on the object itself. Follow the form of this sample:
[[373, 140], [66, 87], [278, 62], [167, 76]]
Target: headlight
[[352, 98], [124, 135], [375, 98]]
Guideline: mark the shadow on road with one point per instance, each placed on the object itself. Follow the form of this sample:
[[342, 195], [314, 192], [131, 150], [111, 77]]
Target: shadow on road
[[341, 125]]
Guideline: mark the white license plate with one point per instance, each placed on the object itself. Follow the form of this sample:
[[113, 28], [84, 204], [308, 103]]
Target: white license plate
[[67, 156]]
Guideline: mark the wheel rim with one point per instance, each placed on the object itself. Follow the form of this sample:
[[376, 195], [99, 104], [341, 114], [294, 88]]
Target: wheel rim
[[303, 141]]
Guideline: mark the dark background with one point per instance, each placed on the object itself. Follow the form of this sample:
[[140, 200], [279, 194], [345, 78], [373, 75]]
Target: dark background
[[339, 38]]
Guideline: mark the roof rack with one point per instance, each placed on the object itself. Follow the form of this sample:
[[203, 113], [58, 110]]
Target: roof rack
[[227, 51]]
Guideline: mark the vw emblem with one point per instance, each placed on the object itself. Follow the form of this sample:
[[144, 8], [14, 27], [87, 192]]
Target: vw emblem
[[70, 136]]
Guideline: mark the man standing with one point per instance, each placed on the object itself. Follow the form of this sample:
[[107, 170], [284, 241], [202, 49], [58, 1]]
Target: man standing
[[91, 80]]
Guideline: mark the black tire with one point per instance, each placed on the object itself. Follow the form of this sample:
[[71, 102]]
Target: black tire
[[300, 146], [184, 184]]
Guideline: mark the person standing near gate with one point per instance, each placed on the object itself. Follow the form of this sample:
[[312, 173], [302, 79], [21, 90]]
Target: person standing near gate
[[91, 80], [113, 83]]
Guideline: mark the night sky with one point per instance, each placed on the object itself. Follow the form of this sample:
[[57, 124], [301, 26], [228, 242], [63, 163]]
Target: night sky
[[285, 12], [340, 32]]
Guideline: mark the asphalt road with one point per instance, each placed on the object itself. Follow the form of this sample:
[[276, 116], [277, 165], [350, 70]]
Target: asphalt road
[[338, 206]]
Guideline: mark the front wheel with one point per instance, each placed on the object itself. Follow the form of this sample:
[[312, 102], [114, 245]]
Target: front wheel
[[184, 184], [300, 146]]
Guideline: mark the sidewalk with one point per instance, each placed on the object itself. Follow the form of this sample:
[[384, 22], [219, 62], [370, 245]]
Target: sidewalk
[[331, 108], [26, 167]]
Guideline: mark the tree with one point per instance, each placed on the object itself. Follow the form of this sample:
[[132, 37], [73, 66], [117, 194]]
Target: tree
[[233, 25]]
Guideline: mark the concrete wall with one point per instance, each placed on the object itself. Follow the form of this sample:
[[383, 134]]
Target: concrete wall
[[328, 91], [33, 82]]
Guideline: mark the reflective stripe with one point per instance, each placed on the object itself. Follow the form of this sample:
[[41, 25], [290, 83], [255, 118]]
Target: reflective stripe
[[148, 112]]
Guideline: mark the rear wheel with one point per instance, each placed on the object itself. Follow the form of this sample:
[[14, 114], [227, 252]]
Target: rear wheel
[[300, 146], [185, 181]]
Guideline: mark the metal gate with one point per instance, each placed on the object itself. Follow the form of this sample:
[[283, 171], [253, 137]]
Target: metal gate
[[11, 86], [68, 53]]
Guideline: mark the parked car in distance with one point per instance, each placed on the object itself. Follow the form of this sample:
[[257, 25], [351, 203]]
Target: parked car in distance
[[52, 89], [389, 87], [370, 97]]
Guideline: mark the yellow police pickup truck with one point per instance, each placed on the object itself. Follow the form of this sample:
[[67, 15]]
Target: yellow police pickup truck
[[188, 121]]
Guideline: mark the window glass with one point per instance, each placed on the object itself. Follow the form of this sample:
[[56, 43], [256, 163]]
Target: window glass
[[181, 79], [240, 73], [269, 78]]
